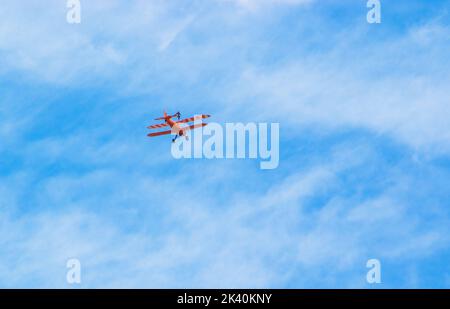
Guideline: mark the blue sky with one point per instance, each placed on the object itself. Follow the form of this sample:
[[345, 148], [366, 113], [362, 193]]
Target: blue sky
[[364, 144]]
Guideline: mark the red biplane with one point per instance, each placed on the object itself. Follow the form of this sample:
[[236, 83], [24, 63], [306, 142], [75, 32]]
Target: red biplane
[[177, 128]]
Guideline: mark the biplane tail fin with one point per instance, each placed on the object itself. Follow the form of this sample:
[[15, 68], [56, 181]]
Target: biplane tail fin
[[164, 117]]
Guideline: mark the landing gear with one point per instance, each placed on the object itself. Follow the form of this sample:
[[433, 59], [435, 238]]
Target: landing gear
[[177, 136], [180, 134]]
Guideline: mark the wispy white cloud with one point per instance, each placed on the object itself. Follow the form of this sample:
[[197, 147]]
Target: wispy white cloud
[[170, 35], [257, 4], [247, 241], [133, 224], [382, 87]]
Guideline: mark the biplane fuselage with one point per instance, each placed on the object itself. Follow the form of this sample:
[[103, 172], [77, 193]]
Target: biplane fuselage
[[175, 126], [176, 129]]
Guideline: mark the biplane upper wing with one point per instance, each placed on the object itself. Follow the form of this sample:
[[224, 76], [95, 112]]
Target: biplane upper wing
[[162, 125], [194, 118], [157, 126], [160, 133]]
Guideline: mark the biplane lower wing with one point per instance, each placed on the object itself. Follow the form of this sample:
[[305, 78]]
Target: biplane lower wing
[[195, 126], [185, 129], [159, 133]]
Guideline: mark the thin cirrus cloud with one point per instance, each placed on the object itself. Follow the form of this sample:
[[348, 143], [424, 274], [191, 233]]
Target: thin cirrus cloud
[[111, 37], [354, 88], [363, 129], [256, 4], [271, 239]]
